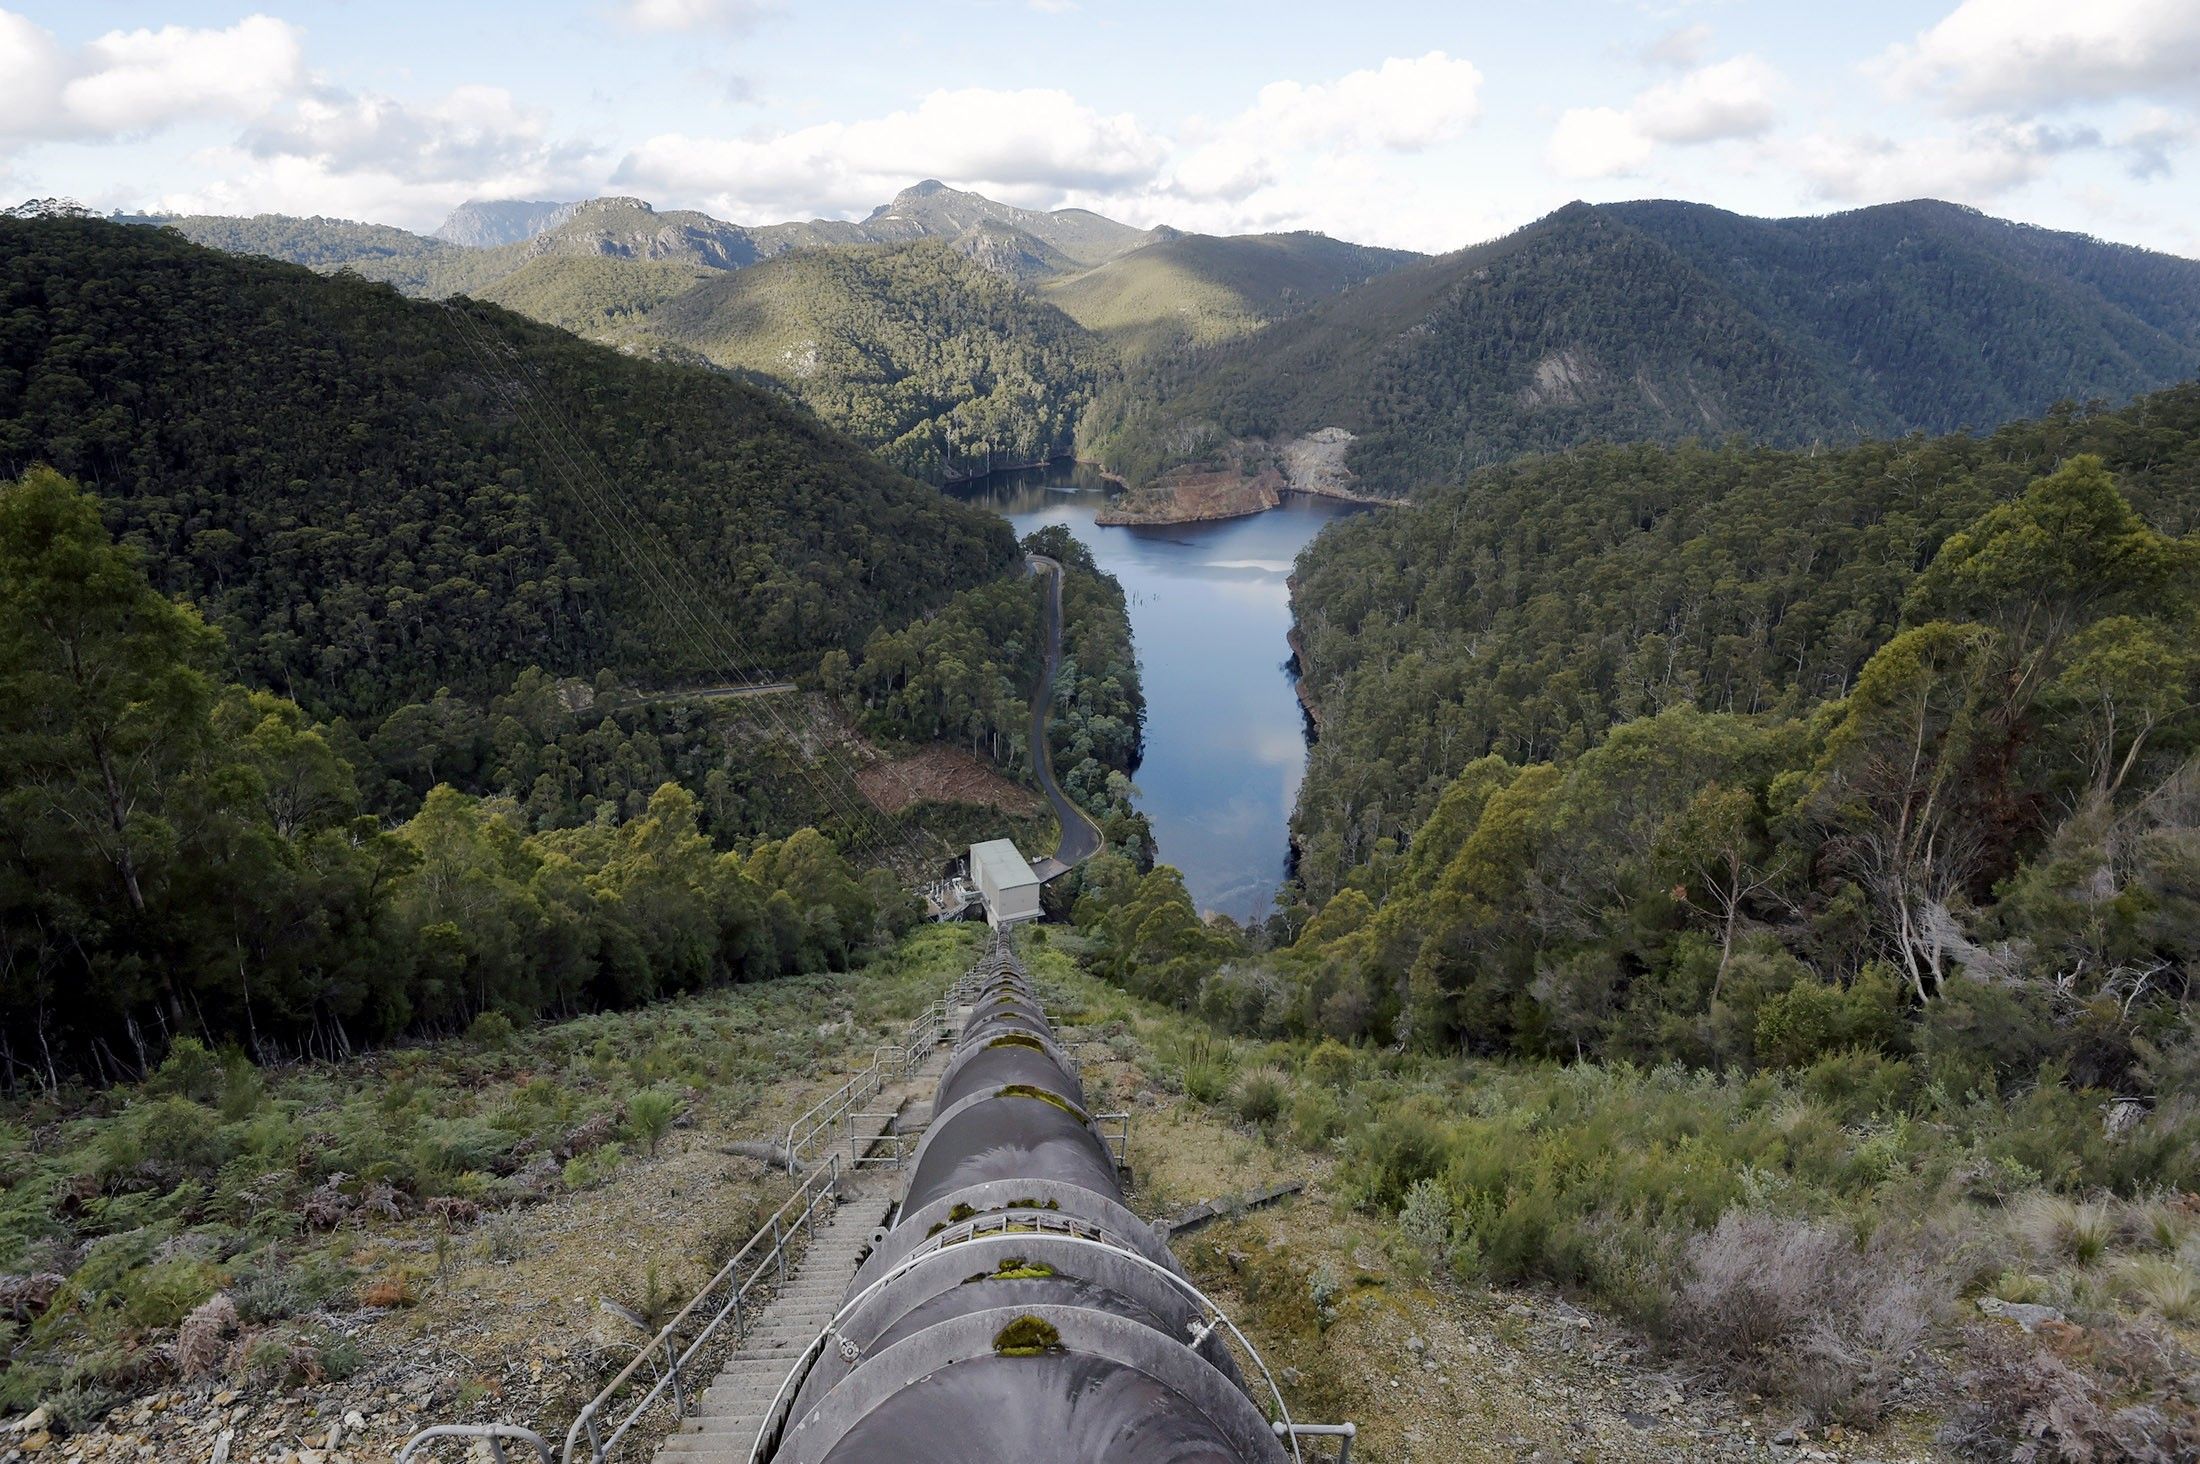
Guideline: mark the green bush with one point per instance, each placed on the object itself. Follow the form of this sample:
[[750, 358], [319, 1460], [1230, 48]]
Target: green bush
[[1330, 1063], [1316, 1118], [189, 1071], [159, 1296], [1425, 1222], [164, 1139], [1384, 1158], [1261, 1094], [1812, 1019], [1858, 1084], [649, 1114]]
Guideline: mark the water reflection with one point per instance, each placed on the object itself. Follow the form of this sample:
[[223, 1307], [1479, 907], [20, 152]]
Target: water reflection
[[1210, 608]]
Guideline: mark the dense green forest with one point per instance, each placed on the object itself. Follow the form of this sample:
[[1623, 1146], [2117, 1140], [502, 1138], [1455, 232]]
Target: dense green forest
[[1538, 605], [941, 367], [374, 498], [1662, 321], [181, 855]]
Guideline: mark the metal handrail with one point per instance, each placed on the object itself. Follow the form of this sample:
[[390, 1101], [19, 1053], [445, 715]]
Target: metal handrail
[[918, 1039], [1118, 1142], [896, 1141], [1345, 1431], [824, 1116], [818, 1188], [1286, 1429], [495, 1433]]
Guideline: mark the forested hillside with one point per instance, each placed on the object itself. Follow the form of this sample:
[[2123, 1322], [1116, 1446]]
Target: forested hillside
[[940, 366], [374, 498], [1661, 321], [1193, 290], [1538, 605], [1957, 319], [1759, 892], [184, 855], [316, 241]]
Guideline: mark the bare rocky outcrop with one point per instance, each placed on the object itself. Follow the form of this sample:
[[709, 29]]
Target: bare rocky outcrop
[[1314, 463], [1246, 477], [1561, 379]]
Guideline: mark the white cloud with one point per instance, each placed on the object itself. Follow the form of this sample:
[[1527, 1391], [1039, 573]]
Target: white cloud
[[471, 133], [1733, 98], [366, 156], [1992, 55], [1401, 106], [1012, 141], [32, 70], [1043, 148], [1729, 99], [695, 15], [1969, 167], [1679, 48], [2148, 142], [1597, 142], [132, 82]]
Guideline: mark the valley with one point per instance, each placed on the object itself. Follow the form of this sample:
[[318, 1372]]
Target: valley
[[1224, 742], [476, 709]]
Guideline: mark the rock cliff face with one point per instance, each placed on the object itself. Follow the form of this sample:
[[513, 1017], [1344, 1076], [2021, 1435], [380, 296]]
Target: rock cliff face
[[485, 224], [629, 228], [1011, 253], [1302, 676]]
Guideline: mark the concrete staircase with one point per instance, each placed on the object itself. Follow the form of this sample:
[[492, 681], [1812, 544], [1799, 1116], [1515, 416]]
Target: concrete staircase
[[721, 1428]]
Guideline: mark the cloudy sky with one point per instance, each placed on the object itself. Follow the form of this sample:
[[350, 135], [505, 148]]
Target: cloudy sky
[[1423, 123]]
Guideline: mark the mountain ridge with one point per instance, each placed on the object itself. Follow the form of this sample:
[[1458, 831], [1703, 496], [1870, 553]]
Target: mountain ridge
[[1657, 322]]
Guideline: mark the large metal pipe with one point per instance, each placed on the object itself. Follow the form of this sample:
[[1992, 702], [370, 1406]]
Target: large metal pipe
[[1016, 1309]]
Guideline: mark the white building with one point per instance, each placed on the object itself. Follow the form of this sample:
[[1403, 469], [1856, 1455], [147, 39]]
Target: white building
[[1005, 882]]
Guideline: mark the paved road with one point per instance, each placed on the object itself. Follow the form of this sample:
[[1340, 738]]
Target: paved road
[[1080, 835]]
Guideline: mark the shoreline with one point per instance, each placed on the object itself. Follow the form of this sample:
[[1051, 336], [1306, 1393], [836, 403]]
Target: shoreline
[[1175, 509], [1238, 498], [1307, 702]]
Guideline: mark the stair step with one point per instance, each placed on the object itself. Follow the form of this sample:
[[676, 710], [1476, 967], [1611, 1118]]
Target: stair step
[[723, 1426]]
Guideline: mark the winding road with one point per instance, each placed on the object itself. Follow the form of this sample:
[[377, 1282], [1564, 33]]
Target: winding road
[[1080, 835]]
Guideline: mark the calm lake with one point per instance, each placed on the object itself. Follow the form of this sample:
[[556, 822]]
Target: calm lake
[[1225, 742]]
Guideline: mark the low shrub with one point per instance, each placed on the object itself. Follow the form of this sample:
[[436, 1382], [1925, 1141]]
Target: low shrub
[[390, 1289], [1797, 1307], [649, 1116], [1317, 1118], [2163, 1285], [2056, 1227], [1404, 1143], [1425, 1223], [202, 1342], [2118, 1395], [1262, 1093]]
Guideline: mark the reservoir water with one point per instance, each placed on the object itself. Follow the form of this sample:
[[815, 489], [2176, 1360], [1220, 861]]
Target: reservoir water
[[1225, 739]]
